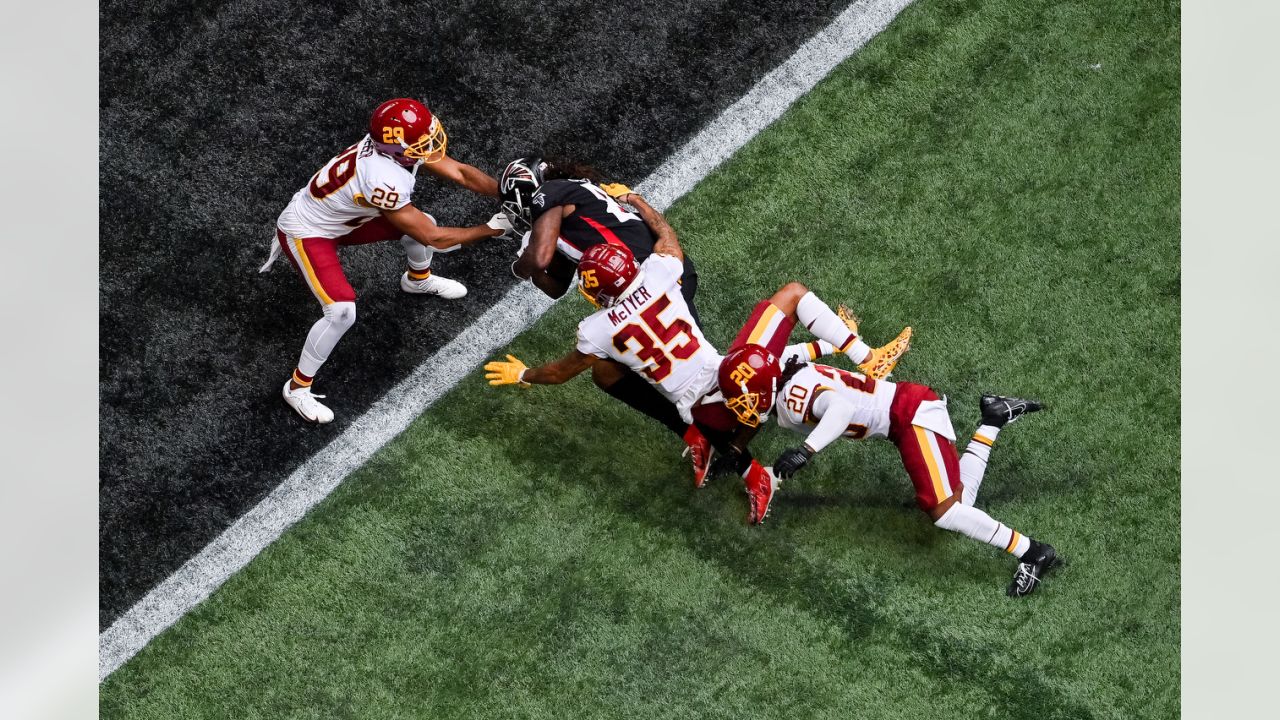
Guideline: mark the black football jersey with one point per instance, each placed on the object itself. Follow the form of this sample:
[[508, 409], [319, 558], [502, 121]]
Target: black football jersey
[[596, 218]]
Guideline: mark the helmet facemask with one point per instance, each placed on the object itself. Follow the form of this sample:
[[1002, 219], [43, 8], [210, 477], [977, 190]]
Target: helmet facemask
[[517, 211], [747, 406], [748, 380], [429, 148]]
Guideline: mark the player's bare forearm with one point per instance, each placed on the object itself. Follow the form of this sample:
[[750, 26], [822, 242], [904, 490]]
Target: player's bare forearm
[[413, 222], [559, 371], [447, 237], [542, 247], [467, 176], [478, 181], [667, 242]]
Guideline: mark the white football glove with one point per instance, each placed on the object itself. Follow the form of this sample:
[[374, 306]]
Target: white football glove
[[499, 221], [524, 243]]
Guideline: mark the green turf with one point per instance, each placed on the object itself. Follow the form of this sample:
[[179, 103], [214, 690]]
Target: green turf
[[1001, 175]]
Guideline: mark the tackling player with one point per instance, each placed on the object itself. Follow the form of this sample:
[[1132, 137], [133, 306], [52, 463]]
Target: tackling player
[[564, 211], [362, 196], [827, 403], [645, 324]]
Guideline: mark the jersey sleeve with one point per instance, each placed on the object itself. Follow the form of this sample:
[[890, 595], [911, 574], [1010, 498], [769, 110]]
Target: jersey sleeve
[[587, 343], [834, 414], [552, 193], [662, 271], [383, 184]]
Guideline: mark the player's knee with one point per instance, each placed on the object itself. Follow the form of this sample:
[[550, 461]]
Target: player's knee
[[947, 516], [341, 314], [788, 296]]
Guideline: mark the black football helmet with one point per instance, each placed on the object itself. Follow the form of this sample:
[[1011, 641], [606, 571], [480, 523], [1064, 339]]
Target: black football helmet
[[520, 179]]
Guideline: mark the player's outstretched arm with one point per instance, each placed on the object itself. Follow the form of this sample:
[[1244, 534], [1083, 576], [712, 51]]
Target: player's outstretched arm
[[559, 371], [464, 175], [667, 243], [833, 413], [416, 224]]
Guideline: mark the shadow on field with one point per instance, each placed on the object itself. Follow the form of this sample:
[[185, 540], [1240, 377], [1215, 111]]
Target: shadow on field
[[711, 526]]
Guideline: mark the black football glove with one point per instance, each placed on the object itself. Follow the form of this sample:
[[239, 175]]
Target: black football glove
[[790, 462]]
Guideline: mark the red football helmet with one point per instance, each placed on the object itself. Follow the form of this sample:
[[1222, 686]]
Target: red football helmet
[[605, 272], [407, 131], [748, 380]]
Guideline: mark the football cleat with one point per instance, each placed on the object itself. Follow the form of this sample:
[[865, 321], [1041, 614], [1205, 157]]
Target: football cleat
[[701, 452], [1034, 565], [848, 318], [999, 411], [301, 400], [433, 285], [760, 484], [885, 358]]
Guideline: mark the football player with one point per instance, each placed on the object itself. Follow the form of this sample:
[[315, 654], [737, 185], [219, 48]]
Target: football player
[[362, 196], [564, 209], [825, 404], [644, 323]]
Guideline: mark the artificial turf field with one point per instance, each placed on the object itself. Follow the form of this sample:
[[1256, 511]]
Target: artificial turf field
[[1003, 176]]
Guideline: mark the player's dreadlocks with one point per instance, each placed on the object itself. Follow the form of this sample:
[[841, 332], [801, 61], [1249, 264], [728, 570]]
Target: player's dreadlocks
[[793, 366], [563, 168]]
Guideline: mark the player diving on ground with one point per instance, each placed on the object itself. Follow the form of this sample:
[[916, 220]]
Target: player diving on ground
[[644, 324], [825, 404]]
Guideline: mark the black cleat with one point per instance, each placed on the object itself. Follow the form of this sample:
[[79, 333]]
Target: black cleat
[[1034, 565], [1000, 411]]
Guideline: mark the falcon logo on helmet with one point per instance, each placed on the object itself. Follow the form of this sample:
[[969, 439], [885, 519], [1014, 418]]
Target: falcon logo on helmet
[[520, 180], [405, 130], [607, 273], [748, 379]]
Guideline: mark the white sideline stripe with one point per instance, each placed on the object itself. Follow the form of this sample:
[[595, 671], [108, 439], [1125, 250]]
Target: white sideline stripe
[[200, 576]]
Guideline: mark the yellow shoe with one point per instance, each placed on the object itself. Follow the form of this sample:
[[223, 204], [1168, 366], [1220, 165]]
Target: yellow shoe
[[846, 315], [884, 359]]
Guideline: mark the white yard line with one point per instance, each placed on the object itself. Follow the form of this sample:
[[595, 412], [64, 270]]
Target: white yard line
[[520, 308]]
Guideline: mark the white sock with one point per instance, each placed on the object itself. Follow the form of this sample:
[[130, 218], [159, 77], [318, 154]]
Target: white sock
[[324, 335], [806, 352], [826, 325], [419, 255], [973, 464], [974, 523]]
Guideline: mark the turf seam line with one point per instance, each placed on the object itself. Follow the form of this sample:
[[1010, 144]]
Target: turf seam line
[[249, 535]]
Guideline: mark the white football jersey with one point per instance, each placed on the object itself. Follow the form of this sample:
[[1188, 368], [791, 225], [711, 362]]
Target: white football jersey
[[870, 399], [652, 332], [350, 190]]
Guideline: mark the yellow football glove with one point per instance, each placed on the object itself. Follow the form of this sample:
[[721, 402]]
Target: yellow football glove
[[616, 190], [505, 373]]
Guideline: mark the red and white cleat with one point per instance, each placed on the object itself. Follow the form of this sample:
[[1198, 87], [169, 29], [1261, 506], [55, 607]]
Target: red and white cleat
[[699, 447], [760, 484]]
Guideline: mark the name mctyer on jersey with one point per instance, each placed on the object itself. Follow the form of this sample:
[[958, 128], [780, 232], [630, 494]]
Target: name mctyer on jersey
[[629, 305]]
